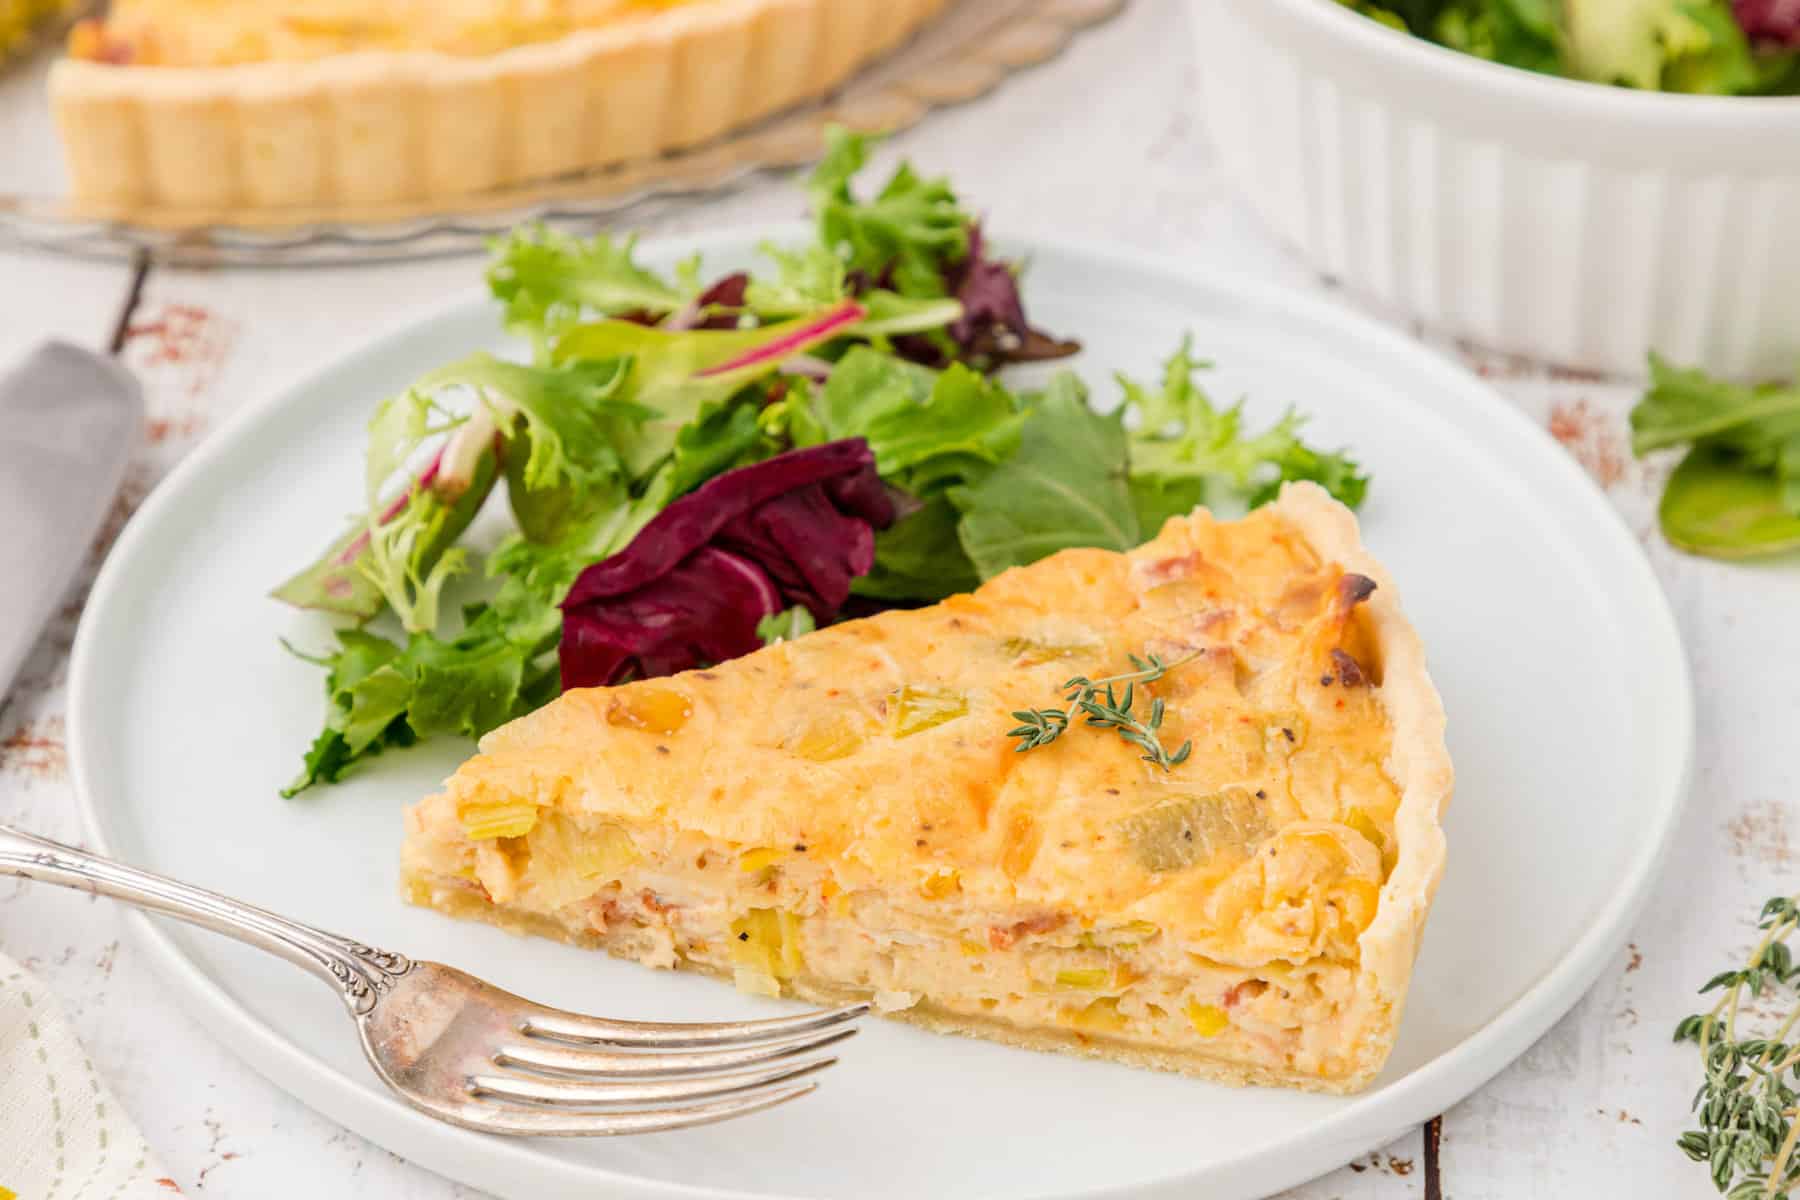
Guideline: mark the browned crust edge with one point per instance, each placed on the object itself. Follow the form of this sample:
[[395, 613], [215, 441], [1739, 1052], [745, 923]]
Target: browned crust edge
[[1419, 763]]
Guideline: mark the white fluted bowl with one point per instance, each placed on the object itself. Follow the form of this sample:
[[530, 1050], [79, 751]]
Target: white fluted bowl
[[1574, 223]]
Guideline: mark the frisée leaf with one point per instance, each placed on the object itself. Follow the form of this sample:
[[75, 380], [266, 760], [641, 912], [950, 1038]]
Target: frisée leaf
[[1185, 450]]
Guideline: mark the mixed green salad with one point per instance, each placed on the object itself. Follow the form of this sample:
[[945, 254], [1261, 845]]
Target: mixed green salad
[[1716, 47], [697, 465]]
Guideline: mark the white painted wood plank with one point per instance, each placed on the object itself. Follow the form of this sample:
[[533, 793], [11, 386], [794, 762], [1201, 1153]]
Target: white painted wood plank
[[43, 296]]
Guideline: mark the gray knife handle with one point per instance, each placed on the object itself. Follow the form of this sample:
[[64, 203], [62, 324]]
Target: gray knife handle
[[69, 420]]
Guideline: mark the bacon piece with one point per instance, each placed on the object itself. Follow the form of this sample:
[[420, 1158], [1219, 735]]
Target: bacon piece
[[1001, 937]]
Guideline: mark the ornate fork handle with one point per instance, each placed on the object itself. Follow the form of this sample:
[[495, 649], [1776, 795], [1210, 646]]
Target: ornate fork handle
[[361, 973]]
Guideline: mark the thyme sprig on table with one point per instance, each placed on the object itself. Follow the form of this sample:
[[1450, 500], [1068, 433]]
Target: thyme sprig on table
[[1041, 726], [1748, 1106]]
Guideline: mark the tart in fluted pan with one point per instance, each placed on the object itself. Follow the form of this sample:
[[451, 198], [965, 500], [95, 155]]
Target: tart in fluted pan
[[847, 815], [320, 103]]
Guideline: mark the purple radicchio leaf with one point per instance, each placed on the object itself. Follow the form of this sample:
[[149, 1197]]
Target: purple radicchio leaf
[[704, 610], [1769, 22], [993, 330], [993, 326], [691, 588], [718, 307]]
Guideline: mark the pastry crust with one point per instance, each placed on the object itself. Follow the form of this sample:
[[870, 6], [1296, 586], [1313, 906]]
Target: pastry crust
[[755, 821], [368, 129], [1419, 764]]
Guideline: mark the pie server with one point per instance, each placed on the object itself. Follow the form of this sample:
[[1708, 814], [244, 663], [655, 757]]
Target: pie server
[[69, 420]]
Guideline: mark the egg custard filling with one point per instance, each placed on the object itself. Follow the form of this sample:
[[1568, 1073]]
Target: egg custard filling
[[849, 815]]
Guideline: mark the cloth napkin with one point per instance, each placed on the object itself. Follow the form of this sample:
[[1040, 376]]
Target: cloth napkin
[[62, 1135]]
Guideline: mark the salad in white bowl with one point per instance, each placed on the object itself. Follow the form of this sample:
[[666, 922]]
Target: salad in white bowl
[[1540, 211], [1710, 47]]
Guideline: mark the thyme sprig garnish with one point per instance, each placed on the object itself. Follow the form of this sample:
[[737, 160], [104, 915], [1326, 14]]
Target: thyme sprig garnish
[[1108, 710], [1748, 1105]]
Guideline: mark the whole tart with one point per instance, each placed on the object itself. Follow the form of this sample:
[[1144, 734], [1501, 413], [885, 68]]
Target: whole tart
[[846, 816], [334, 104]]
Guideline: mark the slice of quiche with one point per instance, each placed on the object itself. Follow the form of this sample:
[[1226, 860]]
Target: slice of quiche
[[848, 815]]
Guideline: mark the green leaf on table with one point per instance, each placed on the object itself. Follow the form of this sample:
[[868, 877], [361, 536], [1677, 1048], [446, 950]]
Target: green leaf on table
[[1714, 505], [1686, 405], [1736, 494]]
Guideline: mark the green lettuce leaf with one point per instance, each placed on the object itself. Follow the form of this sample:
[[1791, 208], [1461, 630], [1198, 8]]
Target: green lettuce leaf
[[912, 416], [930, 432], [340, 580], [912, 226], [1686, 405], [382, 693], [1416, 16], [547, 282], [812, 277], [677, 374], [567, 413], [1717, 506], [921, 557], [806, 279], [786, 626], [1668, 45], [406, 553], [1067, 486], [1519, 33], [1186, 450], [1728, 497], [1155, 500]]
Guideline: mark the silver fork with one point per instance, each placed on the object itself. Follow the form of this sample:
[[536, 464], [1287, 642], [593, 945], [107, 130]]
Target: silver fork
[[468, 1053]]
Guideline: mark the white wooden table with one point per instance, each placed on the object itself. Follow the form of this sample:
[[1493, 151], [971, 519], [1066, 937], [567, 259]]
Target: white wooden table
[[1102, 143]]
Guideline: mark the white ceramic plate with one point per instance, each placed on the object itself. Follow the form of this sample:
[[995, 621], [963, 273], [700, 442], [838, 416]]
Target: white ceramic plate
[[1559, 663]]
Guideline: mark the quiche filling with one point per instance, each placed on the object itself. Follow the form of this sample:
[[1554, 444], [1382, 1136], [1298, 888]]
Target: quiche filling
[[846, 816], [186, 33]]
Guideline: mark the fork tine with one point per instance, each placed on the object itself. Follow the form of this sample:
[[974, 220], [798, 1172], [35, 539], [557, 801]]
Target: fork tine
[[548, 1057], [574, 1027], [531, 1089], [525, 1121]]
